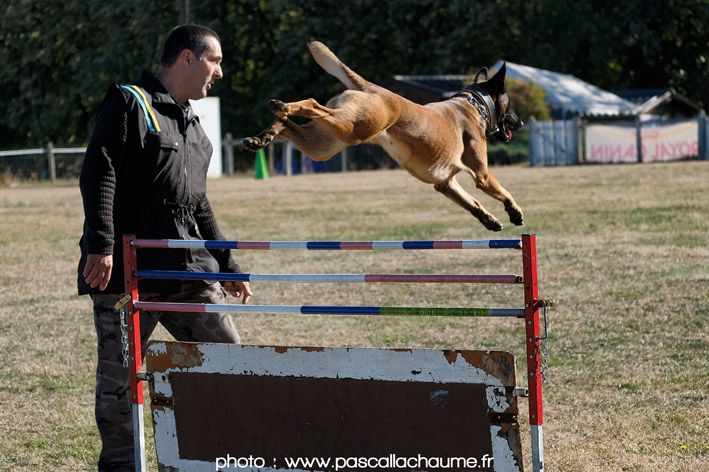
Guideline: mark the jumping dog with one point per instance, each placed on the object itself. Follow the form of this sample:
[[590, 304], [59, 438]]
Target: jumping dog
[[433, 142]]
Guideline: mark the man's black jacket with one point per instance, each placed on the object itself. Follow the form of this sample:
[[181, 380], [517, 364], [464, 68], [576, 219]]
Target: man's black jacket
[[149, 183]]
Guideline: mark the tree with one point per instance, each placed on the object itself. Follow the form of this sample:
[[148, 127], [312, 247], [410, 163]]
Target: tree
[[527, 100], [60, 57], [620, 45]]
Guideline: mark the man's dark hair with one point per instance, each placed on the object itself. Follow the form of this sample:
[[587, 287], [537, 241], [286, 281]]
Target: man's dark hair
[[192, 37]]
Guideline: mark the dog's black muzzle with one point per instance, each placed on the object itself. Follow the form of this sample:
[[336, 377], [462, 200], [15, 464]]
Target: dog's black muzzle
[[509, 124]]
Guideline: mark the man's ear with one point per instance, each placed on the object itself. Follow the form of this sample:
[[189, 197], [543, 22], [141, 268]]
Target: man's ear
[[481, 76], [187, 56]]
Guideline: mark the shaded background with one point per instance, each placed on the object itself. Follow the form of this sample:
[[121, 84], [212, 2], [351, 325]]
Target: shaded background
[[59, 58]]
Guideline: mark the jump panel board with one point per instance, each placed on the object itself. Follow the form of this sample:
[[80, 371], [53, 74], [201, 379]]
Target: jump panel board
[[264, 407]]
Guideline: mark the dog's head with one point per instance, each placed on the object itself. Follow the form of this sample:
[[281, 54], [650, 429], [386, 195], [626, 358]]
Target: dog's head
[[503, 120]]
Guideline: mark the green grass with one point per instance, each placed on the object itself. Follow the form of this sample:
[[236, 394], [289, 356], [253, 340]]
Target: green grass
[[623, 249]]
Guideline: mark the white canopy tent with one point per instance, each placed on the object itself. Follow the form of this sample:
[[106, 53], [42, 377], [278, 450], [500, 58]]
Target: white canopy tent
[[568, 95]]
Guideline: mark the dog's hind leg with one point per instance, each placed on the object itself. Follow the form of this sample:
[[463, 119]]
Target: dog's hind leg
[[313, 140], [351, 116], [308, 108], [452, 189], [485, 181], [334, 119]]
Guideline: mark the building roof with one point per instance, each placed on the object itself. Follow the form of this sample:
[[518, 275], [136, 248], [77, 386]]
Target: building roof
[[660, 101], [640, 96], [568, 95], [424, 89], [447, 85]]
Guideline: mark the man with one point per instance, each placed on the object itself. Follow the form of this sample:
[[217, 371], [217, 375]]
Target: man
[[144, 173]]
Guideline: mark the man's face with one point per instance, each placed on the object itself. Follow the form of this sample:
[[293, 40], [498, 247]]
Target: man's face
[[205, 70]]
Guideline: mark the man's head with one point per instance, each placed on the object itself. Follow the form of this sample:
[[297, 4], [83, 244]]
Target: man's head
[[190, 62]]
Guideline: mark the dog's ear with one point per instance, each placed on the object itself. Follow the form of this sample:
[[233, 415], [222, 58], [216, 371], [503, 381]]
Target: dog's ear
[[481, 76], [497, 83]]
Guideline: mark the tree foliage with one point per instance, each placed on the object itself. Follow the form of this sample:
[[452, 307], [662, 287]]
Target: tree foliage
[[58, 58], [527, 100]]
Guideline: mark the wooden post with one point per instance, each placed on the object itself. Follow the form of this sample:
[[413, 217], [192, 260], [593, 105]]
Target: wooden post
[[51, 162], [343, 157], [228, 145], [702, 136], [185, 11], [638, 138], [271, 158], [289, 159], [579, 141]]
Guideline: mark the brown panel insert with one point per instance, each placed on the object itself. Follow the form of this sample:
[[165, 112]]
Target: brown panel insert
[[275, 417]]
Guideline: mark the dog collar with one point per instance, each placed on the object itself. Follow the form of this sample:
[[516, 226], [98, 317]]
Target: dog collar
[[485, 106]]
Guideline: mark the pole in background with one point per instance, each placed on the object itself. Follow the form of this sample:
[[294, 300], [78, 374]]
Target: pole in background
[[638, 138], [228, 144], [185, 11], [289, 159], [51, 162]]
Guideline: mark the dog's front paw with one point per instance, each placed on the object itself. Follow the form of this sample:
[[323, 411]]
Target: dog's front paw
[[496, 226], [277, 107], [252, 144], [516, 216], [492, 223]]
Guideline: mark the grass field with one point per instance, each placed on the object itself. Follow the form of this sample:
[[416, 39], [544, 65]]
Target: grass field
[[623, 249]]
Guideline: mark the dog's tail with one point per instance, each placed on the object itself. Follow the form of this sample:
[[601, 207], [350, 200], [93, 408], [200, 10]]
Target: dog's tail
[[332, 65]]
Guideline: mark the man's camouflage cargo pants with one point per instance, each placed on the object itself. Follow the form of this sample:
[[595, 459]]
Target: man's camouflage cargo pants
[[113, 409]]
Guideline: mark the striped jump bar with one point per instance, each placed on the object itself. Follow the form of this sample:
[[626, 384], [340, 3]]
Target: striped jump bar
[[329, 310], [331, 278], [328, 245]]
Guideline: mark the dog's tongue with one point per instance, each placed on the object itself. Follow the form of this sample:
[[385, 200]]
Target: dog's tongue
[[509, 135]]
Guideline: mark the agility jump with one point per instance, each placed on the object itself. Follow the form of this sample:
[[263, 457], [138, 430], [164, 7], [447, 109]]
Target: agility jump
[[327, 373]]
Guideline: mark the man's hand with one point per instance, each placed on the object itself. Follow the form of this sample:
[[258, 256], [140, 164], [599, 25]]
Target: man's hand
[[97, 271], [239, 290]]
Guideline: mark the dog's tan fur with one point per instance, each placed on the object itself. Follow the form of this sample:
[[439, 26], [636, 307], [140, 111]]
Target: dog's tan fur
[[433, 142]]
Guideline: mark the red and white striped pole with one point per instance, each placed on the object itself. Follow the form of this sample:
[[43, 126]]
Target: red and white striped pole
[[135, 360], [533, 342]]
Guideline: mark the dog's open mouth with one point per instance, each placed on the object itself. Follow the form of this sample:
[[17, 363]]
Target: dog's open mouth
[[507, 127], [504, 134]]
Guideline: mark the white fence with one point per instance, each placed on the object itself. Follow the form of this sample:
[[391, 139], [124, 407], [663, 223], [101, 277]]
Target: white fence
[[50, 163], [42, 162], [564, 142], [284, 158], [554, 143], [551, 143]]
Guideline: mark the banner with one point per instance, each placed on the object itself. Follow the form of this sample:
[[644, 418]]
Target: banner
[[660, 142]]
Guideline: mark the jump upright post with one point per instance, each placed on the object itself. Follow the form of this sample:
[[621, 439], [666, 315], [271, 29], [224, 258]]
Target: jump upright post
[[530, 312], [135, 359], [532, 305]]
